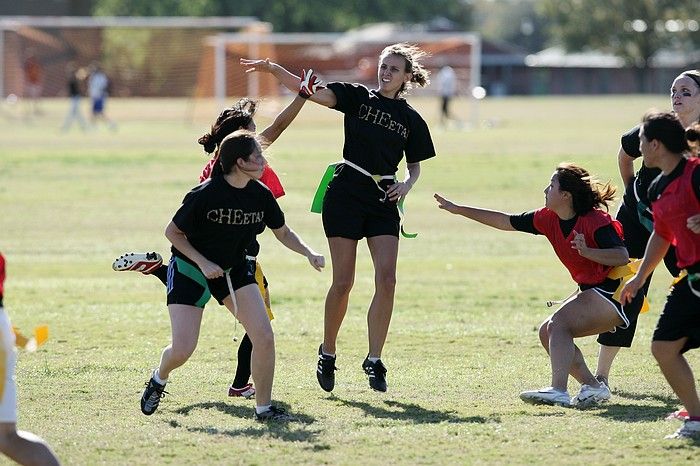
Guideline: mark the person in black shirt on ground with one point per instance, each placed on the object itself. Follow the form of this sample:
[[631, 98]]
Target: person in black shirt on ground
[[361, 200]]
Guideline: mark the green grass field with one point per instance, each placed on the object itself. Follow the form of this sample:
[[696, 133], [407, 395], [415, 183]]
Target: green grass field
[[463, 341]]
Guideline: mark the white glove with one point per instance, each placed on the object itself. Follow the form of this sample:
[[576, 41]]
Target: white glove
[[309, 83]]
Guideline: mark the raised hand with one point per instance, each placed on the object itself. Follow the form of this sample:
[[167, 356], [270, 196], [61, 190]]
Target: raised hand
[[309, 83], [263, 66]]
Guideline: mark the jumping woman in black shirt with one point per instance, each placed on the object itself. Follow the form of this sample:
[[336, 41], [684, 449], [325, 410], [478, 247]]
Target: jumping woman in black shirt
[[361, 200]]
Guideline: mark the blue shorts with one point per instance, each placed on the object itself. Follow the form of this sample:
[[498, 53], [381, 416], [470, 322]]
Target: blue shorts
[[98, 105]]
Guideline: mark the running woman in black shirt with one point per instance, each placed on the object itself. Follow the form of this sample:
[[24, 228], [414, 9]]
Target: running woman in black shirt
[[361, 200], [210, 232]]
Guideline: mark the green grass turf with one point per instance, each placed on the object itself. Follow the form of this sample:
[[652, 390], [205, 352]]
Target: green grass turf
[[463, 339]]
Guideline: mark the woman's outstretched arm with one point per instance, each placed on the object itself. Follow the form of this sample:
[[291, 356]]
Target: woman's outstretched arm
[[492, 218], [325, 97]]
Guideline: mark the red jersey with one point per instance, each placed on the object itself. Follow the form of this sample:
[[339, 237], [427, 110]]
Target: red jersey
[[583, 271], [269, 178], [671, 210]]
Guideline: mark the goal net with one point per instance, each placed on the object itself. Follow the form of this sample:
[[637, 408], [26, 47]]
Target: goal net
[[350, 57], [142, 57]]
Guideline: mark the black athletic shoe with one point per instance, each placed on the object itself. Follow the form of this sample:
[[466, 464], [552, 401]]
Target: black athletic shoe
[[325, 370], [151, 397], [376, 373], [273, 413]]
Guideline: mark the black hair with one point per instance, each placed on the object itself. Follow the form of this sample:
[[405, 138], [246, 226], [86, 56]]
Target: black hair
[[666, 128], [587, 193], [692, 74], [692, 135], [237, 145], [233, 118]]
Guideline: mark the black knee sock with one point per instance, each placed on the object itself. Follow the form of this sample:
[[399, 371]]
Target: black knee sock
[[243, 369], [162, 274]]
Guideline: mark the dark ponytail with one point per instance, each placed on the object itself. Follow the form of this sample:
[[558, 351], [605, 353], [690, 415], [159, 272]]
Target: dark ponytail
[[587, 193], [238, 116]]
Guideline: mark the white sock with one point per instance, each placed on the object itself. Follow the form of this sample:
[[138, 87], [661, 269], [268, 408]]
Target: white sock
[[323, 353], [372, 359], [156, 377], [262, 409]]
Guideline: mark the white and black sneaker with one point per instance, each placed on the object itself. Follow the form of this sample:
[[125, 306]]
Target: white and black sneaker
[[151, 396], [591, 396], [325, 370], [274, 414], [376, 373]]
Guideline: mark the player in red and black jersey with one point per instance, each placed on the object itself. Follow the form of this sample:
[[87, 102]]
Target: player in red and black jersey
[[589, 243], [675, 204]]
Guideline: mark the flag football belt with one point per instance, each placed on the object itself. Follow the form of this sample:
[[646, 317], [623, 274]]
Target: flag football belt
[[317, 203], [642, 209], [692, 278], [622, 273]]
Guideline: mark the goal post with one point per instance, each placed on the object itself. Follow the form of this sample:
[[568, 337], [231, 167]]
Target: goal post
[[339, 57]]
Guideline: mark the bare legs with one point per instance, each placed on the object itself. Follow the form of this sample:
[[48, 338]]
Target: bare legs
[[185, 324], [586, 314], [251, 313], [678, 373], [384, 252], [606, 356], [343, 256], [24, 447]]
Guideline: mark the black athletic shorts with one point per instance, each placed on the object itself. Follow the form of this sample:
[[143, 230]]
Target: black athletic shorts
[[187, 285], [637, 237], [681, 315], [628, 313], [354, 207]]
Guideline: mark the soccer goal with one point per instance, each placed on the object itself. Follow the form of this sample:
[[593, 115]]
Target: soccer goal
[[350, 57], [145, 57]]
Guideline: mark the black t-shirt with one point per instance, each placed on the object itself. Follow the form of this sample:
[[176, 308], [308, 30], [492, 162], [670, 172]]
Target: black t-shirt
[[221, 221], [660, 183], [606, 236], [73, 87], [378, 130], [644, 176]]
